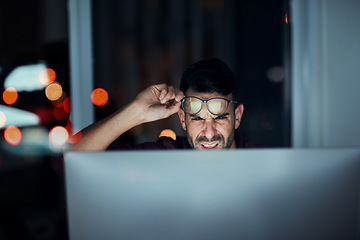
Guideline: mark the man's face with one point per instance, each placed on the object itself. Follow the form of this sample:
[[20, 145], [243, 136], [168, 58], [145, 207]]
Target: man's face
[[207, 131]]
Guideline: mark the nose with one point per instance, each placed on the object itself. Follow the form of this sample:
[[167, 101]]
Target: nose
[[209, 129]]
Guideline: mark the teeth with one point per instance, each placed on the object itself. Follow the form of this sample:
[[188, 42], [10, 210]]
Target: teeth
[[209, 145]]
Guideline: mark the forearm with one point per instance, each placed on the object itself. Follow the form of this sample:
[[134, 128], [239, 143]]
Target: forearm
[[100, 135], [154, 103]]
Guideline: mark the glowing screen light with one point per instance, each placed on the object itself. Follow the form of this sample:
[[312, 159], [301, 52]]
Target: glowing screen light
[[12, 135], [195, 106], [53, 91], [25, 78], [168, 133], [2, 119], [58, 135], [215, 106], [47, 76], [19, 117], [99, 97], [10, 95]]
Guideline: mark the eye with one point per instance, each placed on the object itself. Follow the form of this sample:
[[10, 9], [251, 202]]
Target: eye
[[196, 118], [221, 117]]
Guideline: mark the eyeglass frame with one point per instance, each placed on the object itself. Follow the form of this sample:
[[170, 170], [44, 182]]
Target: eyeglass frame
[[207, 106]]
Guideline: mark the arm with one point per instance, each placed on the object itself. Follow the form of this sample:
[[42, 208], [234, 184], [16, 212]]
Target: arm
[[154, 103]]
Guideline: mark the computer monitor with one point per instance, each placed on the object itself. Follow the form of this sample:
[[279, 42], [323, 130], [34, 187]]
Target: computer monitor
[[247, 194]]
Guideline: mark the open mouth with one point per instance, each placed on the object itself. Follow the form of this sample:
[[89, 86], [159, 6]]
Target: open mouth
[[209, 145]]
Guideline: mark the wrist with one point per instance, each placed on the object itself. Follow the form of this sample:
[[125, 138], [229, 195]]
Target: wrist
[[134, 112]]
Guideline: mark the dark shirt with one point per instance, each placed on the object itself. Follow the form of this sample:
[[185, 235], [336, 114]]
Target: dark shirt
[[161, 144], [179, 143]]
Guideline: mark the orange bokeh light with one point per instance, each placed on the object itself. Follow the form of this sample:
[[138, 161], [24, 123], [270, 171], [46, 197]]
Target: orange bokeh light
[[10, 95], [12, 135], [60, 101], [99, 97], [53, 91], [47, 76], [2, 119], [58, 135], [168, 133]]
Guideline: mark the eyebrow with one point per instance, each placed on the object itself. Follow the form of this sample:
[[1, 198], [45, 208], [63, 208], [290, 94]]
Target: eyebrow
[[220, 115]]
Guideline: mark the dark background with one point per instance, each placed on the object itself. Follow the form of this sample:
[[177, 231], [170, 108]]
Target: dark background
[[135, 44]]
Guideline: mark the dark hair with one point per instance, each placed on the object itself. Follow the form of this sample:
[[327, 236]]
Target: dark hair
[[211, 75]]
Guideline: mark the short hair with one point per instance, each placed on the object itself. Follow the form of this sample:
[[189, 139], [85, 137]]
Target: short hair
[[211, 75]]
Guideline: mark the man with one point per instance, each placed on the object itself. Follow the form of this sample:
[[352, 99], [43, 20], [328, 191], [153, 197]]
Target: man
[[208, 105]]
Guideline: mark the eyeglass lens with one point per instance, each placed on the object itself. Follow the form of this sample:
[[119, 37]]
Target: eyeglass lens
[[216, 106]]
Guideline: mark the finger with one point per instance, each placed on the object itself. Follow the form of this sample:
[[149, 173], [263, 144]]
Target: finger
[[163, 94], [170, 95], [158, 88], [179, 95]]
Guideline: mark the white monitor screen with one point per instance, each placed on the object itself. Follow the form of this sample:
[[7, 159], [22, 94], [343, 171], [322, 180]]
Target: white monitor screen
[[226, 194]]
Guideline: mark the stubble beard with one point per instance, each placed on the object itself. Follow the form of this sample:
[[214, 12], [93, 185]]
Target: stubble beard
[[223, 144]]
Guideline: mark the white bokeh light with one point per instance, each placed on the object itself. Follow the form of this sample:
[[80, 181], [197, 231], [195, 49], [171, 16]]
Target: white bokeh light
[[58, 136]]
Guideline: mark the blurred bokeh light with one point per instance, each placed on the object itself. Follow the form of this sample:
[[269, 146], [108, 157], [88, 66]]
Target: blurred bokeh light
[[2, 119], [47, 76], [58, 135], [99, 97], [19, 117], [168, 133], [60, 113], [10, 95], [74, 138], [67, 105], [12, 135], [26, 78], [53, 91]]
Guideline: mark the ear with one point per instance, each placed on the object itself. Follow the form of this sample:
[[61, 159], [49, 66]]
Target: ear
[[238, 114], [182, 117]]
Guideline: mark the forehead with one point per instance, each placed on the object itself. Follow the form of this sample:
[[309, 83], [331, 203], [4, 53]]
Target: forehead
[[206, 95]]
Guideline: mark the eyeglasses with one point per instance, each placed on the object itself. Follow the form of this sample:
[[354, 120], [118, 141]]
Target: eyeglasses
[[216, 106]]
